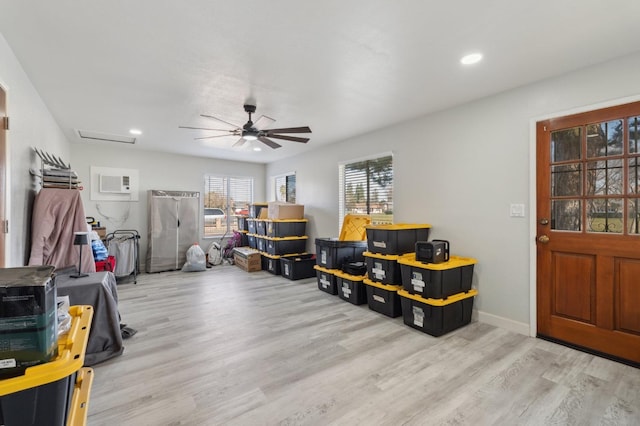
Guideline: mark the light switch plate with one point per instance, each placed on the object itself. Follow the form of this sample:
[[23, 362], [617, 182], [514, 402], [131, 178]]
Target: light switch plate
[[517, 210]]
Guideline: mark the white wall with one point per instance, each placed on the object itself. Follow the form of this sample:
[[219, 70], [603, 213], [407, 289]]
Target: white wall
[[459, 170], [31, 125], [156, 171]]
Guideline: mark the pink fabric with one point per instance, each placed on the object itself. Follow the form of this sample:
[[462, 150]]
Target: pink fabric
[[57, 214]]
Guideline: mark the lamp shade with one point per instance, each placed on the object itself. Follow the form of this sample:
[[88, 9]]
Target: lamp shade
[[80, 238]]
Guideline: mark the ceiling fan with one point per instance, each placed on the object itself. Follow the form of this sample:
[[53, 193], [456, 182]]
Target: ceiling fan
[[251, 131]]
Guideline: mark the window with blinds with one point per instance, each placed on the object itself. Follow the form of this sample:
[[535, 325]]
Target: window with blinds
[[285, 189], [366, 187], [225, 198]]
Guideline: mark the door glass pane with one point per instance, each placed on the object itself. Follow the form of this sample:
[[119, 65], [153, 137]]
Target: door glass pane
[[566, 180], [565, 215], [633, 216], [604, 139], [604, 215], [565, 145], [604, 177], [634, 134], [634, 175]]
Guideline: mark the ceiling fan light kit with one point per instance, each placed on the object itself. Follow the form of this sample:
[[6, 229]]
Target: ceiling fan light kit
[[251, 132]]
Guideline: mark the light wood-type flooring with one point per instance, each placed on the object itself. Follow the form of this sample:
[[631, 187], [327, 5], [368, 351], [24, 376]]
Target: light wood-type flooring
[[226, 347]]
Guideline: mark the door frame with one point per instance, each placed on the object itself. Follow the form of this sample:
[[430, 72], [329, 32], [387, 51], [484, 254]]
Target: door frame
[[533, 261], [5, 192]]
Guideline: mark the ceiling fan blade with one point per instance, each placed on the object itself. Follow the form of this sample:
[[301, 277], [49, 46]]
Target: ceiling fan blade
[[203, 128], [211, 137], [239, 142], [290, 138], [269, 142], [263, 122], [289, 130], [220, 120]]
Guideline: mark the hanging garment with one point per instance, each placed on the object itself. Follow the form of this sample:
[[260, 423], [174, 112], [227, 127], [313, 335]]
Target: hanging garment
[[57, 214], [124, 251]]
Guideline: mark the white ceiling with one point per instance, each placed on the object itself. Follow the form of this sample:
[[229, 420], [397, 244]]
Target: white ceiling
[[342, 67]]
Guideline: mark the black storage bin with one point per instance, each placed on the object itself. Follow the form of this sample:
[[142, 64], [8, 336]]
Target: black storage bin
[[436, 280], [271, 263], [47, 404], [261, 227], [332, 253], [396, 239], [326, 279], [251, 239], [351, 288], [437, 316], [383, 268], [298, 267], [286, 245], [383, 298], [251, 226], [243, 224], [244, 238], [261, 243], [255, 209], [286, 228]]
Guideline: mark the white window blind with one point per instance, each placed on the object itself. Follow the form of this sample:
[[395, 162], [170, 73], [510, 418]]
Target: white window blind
[[366, 187], [232, 195]]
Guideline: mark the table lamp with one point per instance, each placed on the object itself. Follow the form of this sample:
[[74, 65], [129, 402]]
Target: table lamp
[[80, 239]]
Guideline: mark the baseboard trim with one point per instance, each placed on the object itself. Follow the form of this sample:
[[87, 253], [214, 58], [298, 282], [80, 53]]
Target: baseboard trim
[[511, 325]]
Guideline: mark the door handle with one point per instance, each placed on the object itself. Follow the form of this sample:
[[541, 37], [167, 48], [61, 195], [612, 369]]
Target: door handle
[[543, 239], [544, 221]]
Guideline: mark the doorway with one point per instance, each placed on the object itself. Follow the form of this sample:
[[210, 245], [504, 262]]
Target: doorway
[[588, 231]]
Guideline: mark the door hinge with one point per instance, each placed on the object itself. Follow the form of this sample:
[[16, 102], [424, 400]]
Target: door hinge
[[5, 123], [544, 128]]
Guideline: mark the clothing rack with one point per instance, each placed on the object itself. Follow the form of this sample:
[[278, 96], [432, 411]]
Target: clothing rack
[[124, 245]]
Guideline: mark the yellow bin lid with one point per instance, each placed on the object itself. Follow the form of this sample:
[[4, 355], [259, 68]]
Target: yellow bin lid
[[279, 256], [349, 277], [399, 226], [286, 220], [387, 287], [285, 238], [453, 262], [439, 302], [382, 256], [353, 227], [325, 270]]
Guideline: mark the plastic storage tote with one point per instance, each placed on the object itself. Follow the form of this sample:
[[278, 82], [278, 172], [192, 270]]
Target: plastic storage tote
[[57, 391], [437, 316], [396, 239], [286, 245], [285, 227], [243, 224], [255, 210], [383, 268], [326, 279], [351, 288], [251, 238], [383, 298], [298, 267], [436, 280], [332, 253], [251, 226], [261, 226]]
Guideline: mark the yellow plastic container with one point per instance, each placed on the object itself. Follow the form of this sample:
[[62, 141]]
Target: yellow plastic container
[[383, 268], [351, 288], [353, 227], [56, 392], [285, 227], [436, 280], [286, 245], [327, 279], [383, 298]]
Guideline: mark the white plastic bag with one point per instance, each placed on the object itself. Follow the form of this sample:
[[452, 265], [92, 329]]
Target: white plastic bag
[[196, 260]]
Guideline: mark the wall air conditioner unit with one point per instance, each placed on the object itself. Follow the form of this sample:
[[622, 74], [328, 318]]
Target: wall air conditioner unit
[[115, 184]]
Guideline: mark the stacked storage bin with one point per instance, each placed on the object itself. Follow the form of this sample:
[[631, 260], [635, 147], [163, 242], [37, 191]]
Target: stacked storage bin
[[437, 297], [251, 223], [243, 228], [333, 253], [386, 244], [281, 239]]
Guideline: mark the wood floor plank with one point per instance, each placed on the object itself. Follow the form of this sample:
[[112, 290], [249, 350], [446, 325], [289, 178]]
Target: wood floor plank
[[226, 347]]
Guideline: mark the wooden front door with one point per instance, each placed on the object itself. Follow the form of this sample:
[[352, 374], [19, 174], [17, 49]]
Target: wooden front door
[[588, 230], [3, 172]]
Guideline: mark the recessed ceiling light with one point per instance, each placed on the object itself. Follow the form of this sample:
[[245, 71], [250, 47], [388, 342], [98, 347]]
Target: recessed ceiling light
[[470, 59], [135, 132], [257, 148]]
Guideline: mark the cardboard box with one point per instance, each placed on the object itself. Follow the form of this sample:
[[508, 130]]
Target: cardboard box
[[28, 318], [279, 210], [247, 259], [102, 231]]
